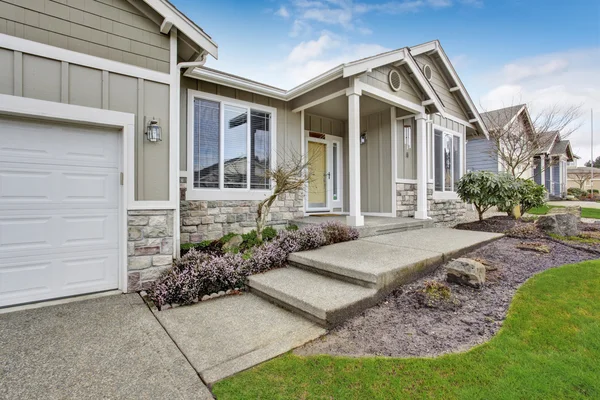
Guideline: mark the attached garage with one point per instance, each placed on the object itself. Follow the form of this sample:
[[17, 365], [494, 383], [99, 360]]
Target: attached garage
[[61, 207]]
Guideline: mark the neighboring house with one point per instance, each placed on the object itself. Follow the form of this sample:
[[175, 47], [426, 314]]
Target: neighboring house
[[549, 165], [583, 178], [91, 201]]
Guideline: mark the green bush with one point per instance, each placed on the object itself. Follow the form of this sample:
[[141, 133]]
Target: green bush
[[531, 195], [202, 246], [595, 191], [250, 239], [482, 189], [576, 192]]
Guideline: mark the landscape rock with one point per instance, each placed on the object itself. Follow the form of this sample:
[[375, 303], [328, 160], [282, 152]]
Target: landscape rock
[[234, 242], [575, 210], [467, 272], [564, 224]]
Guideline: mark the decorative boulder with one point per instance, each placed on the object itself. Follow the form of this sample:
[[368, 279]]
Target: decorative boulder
[[575, 210], [234, 242], [564, 224], [466, 272]]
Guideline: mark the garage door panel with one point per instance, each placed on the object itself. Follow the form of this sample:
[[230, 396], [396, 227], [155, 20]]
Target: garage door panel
[[59, 210], [50, 186], [32, 279], [59, 144], [56, 232]]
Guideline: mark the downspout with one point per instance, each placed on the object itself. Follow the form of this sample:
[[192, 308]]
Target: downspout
[[176, 126]]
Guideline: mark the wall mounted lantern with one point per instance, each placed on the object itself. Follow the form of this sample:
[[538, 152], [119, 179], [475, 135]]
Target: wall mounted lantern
[[153, 130], [363, 138]]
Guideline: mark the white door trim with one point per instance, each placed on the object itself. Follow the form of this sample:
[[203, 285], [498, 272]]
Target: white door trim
[[39, 109]]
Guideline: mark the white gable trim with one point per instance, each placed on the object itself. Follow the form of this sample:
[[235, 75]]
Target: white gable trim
[[367, 64], [174, 17]]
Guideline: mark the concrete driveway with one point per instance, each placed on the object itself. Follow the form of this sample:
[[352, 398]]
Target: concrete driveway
[[110, 347]]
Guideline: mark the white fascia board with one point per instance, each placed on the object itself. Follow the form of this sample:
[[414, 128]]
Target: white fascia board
[[424, 47], [185, 26], [236, 82], [365, 65], [422, 81], [388, 98], [463, 90], [334, 73]]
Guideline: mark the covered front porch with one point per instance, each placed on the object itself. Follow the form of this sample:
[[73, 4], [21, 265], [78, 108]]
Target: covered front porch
[[362, 141]]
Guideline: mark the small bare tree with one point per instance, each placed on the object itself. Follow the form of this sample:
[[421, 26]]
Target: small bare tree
[[289, 176], [581, 176], [518, 136]]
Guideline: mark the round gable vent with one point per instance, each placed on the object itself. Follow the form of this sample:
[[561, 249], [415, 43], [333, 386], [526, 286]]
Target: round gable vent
[[427, 71], [395, 80]]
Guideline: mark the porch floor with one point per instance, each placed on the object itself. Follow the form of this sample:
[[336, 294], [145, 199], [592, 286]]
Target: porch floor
[[374, 226]]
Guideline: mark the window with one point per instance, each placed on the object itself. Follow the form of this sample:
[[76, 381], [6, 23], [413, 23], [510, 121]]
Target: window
[[447, 160], [406, 166], [231, 145]]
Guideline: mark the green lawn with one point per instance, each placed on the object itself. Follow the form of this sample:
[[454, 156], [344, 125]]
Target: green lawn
[[543, 210], [590, 213], [548, 348]]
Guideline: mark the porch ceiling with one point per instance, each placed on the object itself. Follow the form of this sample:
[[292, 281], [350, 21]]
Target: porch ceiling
[[337, 108]]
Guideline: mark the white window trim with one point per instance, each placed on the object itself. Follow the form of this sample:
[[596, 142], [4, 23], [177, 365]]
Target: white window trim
[[446, 195], [125, 122], [193, 193]]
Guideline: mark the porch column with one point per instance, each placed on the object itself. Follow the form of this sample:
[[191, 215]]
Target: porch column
[[355, 218], [421, 212]]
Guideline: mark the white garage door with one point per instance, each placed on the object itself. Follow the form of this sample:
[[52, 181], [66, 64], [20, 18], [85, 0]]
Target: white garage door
[[59, 210]]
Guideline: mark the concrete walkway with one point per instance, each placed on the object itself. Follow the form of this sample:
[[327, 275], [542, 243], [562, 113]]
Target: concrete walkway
[[330, 284], [582, 204], [105, 348]]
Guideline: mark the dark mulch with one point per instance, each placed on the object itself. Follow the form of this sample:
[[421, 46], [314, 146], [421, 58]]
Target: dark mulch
[[402, 326], [497, 224]]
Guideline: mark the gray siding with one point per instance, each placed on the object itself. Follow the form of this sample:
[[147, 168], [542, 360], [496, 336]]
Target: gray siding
[[448, 123], [375, 163], [288, 123], [378, 78], [440, 85], [480, 155], [111, 29], [45, 79], [322, 91]]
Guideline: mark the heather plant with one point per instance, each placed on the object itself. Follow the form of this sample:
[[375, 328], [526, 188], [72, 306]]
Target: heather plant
[[336, 232], [197, 273]]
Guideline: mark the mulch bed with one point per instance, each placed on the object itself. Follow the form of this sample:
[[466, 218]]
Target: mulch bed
[[497, 224], [401, 326]]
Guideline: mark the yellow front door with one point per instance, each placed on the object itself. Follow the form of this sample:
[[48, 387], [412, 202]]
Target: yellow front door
[[317, 169]]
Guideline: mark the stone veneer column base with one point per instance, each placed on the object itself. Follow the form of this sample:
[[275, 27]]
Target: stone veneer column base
[[438, 210], [149, 246]]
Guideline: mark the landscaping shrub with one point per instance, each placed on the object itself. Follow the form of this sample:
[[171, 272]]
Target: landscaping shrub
[[198, 273], [576, 192], [482, 189], [336, 232], [531, 195], [207, 246], [595, 191]]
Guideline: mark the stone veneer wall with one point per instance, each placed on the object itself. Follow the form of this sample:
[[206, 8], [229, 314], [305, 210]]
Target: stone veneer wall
[[149, 246], [210, 220], [438, 210]]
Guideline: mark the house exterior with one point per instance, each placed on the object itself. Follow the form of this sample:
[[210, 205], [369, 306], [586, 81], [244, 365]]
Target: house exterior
[[91, 201], [548, 167], [584, 178]]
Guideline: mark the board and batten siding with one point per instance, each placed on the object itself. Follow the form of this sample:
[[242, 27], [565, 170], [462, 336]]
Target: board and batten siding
[[378, 78], [58, 81], [111, 29], [440, 85], [480, 155], [288, 123], [375, 163]]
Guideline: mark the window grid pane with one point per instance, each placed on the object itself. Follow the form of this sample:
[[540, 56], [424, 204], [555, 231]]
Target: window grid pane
[[447, 163], [456, 160], [235, 162], [438, 159], [260, 148], [206, 144]]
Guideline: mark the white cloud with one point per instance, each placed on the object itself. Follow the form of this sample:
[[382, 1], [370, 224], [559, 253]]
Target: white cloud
[[283, 12], [365, 31], [312, 49], [566, 78]]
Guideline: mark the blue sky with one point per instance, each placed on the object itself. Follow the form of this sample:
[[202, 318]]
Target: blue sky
[[540, 52]]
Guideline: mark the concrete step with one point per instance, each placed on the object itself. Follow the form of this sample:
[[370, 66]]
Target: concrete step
[[374, 226], [324, 300], [386, 266]]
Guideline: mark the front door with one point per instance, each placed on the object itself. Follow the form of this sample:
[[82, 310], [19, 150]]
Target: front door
[[317, 170]]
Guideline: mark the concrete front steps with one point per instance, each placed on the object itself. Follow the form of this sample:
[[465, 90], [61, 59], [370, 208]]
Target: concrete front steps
[[374, 226], [333, 283]]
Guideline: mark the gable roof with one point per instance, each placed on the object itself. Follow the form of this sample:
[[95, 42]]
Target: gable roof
[[562, 147], [547, 140], [496, 119], [171, 16], [398, 57]]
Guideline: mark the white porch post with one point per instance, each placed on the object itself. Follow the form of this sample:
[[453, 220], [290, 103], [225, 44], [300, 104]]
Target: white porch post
[[355, 218], [421, 212]]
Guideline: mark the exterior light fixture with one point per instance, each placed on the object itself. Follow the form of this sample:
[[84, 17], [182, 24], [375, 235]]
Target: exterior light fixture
[[153, 130], [363, 138]]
